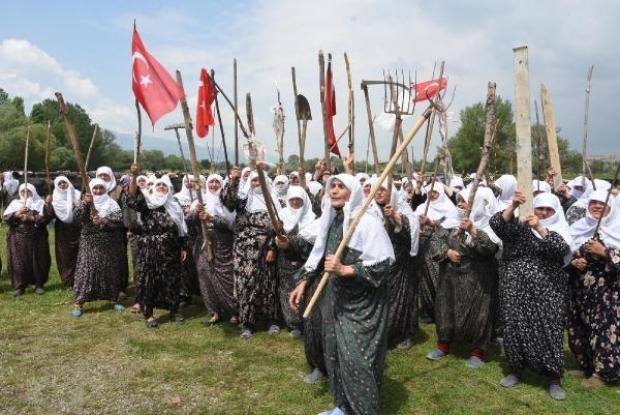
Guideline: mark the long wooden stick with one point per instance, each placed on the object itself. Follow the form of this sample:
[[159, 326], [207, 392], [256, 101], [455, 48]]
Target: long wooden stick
[[347, 236], [90, 147], [371, 128], [236, 106], [302, 167], [552, 138], [351, 108], [584, 143], [523, 127], [323, 110], [75, 143], [194, 160], [219, 120], [429, 128], [138, 139], [26, 157], [48, 180]]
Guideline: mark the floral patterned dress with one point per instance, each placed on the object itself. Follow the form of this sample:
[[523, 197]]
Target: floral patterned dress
[[594, 316], [533, 297]]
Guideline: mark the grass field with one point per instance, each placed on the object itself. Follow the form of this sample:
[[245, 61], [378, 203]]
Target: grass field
[[109, 363]]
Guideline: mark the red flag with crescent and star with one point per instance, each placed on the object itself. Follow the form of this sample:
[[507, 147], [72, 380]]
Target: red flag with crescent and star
[[154, 88], [206, 97], [330, 110], [428, 89]]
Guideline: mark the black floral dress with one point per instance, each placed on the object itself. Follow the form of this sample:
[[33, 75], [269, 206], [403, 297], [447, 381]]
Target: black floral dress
[[99, 270], [158, 262], [254, 278], [465, 306], [594, 316], [533, 297], [67, 242]]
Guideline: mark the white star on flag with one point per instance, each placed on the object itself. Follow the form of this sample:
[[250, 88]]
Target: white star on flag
[[145, 80]]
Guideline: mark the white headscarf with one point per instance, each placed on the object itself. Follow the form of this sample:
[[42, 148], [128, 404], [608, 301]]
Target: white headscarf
[[185, 196], [104, 204], [280, 184], [64, 200], [11, 185], [457, 182], [580, 181], [255, 200], [508, 186], [369, 237], [32, 203], [440, 208], [244, 184], [556, 222], [360, 176], [540, 186], [485, 205], [314, 187], [398, 201], [303, 216], [156, 199], [111, 185], [609, 231], [213, 204]]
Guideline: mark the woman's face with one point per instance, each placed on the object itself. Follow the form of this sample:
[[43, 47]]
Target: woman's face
[[597, 209], [462, 203], [214, 185], [366, 189], [142, 183], [381, 197], [25, 193], [246, 175], [254, 183], [98, 190], [161, 188], [294, 179], [104, 176], [434, 195], [296, 202], [63, 185], [338, 193], [544, 212]]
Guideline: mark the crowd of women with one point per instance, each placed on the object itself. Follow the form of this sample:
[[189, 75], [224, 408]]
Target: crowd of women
[[482, 273]]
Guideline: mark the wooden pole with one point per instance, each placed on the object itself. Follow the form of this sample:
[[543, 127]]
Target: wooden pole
[[371, 128], [48, 180], [539, 145], [323, 111], [584, 143], [26, 155], [90, 147], [351, 108], [523, 127], [196, 172], [219, 120], [347, 236], [302, 167], [552, 138], [236, 103], [431, 122], [75, 143], [138, 139]]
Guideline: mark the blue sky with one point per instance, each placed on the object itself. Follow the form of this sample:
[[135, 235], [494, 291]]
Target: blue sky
[[83, 49]]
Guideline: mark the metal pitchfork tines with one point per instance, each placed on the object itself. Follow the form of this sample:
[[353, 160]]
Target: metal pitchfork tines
[[397, 97]]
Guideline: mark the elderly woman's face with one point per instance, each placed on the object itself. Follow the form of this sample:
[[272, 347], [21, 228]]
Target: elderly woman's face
[[254, 183], [434, 195], [63, 185], [142, 183], [381, 197], [98, 190], [161, 188], [104, 176], [294, 179], [25, 193], [462, 203], [338, 193], [296, 202], [544, 212], [214, 185], [597, 209]]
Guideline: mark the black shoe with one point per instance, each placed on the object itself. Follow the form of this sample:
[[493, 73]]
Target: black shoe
[[17, 292], [178, 318]]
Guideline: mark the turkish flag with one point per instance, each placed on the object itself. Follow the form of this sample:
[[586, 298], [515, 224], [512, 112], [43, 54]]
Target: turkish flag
[[206, 97], [330, 110], [154, 88], [428, 89]]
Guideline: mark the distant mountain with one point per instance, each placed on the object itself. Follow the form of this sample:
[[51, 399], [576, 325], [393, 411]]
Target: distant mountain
[[168, 145]]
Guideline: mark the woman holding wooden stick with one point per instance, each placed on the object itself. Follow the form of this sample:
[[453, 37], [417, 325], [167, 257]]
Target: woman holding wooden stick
[[354, 304]]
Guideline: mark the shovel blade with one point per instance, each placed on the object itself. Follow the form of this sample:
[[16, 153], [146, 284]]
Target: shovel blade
[[304, 108]]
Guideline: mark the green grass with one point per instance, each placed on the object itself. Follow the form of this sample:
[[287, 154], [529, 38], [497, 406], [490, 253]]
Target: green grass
[[109, 363]]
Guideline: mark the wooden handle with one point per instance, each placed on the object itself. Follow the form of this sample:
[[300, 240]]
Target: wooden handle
[[347, 236]]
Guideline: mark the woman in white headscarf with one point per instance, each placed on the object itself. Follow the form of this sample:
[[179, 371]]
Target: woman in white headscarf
[[66, 230], [99, 270], [507, 185], [533, 290], [440, 209], [402, 226], [293, 250], [187, 194], [28, 250], [355, 301], [594, 312], [215, 276], [581, 188], [253, 253], [466, 301], [161, 243], [280, 185]]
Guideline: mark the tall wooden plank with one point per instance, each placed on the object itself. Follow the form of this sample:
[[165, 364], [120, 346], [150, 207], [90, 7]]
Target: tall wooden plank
[[552, 138], [523, 127]]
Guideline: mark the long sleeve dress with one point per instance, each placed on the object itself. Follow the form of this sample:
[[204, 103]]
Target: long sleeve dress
[[66, 244], [466, 292], [594, 316], [354, 312], [158, 262], [532, 297], [403, 287], [254, 278], [28, 251], [215, 277], [99, 269]]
